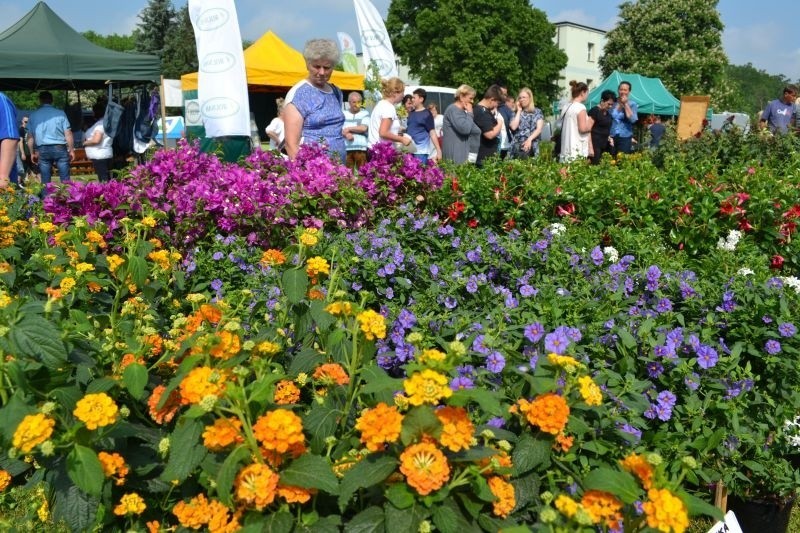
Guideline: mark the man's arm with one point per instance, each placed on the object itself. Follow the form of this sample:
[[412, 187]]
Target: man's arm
[[70, 144]]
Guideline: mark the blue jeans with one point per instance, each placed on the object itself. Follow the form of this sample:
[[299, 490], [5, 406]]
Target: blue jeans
[[422, 157], [53, 153]]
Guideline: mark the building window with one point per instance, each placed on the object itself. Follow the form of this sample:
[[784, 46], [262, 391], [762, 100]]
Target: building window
[[590, 52]]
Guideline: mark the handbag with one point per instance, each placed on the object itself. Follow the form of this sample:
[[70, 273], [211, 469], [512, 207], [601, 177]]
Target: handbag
[[112, 116]]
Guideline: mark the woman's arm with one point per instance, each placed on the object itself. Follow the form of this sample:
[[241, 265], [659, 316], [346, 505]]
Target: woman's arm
[[516, 119], [537, 130], [385, 133], [584, 122], [292, 129], [96, 138]]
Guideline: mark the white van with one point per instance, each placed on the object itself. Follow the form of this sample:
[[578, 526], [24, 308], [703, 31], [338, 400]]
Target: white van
[[441, 96]]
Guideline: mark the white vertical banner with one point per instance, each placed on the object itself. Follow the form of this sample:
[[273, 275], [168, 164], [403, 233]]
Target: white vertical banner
[[375, 44], [221, 77], [348, 48]]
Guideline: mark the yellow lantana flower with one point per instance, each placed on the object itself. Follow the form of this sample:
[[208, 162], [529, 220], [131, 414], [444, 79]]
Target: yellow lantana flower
[[96, 410]]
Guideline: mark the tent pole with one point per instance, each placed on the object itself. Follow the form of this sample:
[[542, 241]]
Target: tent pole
[[163, 111]]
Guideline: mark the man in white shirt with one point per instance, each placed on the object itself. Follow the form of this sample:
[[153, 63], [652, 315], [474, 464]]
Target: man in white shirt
[[356, 124]]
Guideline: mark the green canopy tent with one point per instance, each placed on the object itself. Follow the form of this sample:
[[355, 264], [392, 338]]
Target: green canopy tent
[[649, 94], [41, 51]]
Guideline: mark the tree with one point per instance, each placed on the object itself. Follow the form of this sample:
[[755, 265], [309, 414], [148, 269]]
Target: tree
[[754, 88], [180, 48], [678, 41], [450, 42], [120, 43], [155, 22]]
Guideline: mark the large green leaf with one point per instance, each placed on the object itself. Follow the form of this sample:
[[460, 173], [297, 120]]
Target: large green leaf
[[420, 421], [696, 506], [486, 399], [531, 453], [75, 507], [279, 522], [323, 318], [306, 360], [405, 520], [135, 379], [311, 472], [85, 470], [370, 520], [368, 472], [400, 496], [295, 284], [137, 268], [227, 473], [185, 450], [621, 484], [39, 338], [321, 423]]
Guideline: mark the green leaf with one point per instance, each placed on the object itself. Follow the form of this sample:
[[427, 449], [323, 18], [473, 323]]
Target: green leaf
[[305, 361], [101, 385], [487, 400], [295, 284], [321, 423], [279, 522], [370, 520], [531, 453], [39, 339], [400, 495], [75, 507], [420, 421], [695, 506], [627, 339], [311, 472], [368, 472], [135, 379], [137, 268], [85, 470], [323, 318], [185, 450], [377, 380], [621, 484], [526, 490], [227, 473], [406, 520]]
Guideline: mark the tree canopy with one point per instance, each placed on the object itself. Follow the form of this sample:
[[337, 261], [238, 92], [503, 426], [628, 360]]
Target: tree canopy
[[180, 48], [477, 42], [120, 43], [679, 41], [155, 22]]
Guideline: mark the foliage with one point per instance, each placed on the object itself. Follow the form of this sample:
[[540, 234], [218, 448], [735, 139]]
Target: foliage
[[450, 42], [754, 88], [120, 43], [679, 42], [265, 407], [155, 24], [180, 47]]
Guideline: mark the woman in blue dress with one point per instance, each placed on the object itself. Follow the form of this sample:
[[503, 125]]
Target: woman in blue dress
[[313, 107]]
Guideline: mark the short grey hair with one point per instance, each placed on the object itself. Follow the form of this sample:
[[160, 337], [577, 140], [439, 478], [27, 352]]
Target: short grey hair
[[325, 49]]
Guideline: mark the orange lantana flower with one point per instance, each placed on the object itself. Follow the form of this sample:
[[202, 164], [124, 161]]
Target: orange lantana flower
[[504, 492], [638, 466], [549, 412], [379, 426], [331, 373], [227, 345], [201, 382], [279, 430], [457, 429], [256, 485], [294, 494], [113, 466], [425, 467], [272, 257], [166, 413], [286, 392], [222, 433], [602, 507]]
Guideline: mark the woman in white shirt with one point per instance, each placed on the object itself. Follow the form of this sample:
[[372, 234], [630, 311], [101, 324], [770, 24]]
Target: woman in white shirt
[[275, 129], [576, 126], [98, 145], [384, 125]]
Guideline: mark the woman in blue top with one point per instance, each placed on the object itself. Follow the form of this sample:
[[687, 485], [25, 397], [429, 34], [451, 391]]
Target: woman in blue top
[[313, 107]]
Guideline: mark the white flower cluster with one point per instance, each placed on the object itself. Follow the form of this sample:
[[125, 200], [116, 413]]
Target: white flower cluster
[[792, 282], [792, 430], [611, 254], [557, 228], [744, 271], [729, 243]]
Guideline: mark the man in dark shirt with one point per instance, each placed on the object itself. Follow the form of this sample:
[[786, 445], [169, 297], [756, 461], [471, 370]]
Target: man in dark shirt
[[484, 118]]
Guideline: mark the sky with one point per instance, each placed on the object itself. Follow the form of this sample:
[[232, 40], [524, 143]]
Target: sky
[[763, 34]]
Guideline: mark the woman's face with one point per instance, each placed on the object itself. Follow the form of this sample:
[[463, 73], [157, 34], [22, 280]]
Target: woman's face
[[319, 72], [466, 98], [524, 100], [397, 96]]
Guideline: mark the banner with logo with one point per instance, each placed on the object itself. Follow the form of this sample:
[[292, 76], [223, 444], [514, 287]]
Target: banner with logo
[[221, 78], [375, 44], [348, 47]]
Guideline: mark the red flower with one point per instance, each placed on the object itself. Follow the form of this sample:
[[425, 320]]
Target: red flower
[[686, 209], [777, 262], [654, 196], [565, 210], [454, 184], [516, 200], [510, 224], [751, 170], [559, 190], [793, 212], [788, 228], [744, 225], [473, 223]]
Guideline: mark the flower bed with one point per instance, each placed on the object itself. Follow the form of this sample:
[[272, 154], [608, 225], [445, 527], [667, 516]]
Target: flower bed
[[163, 366]]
